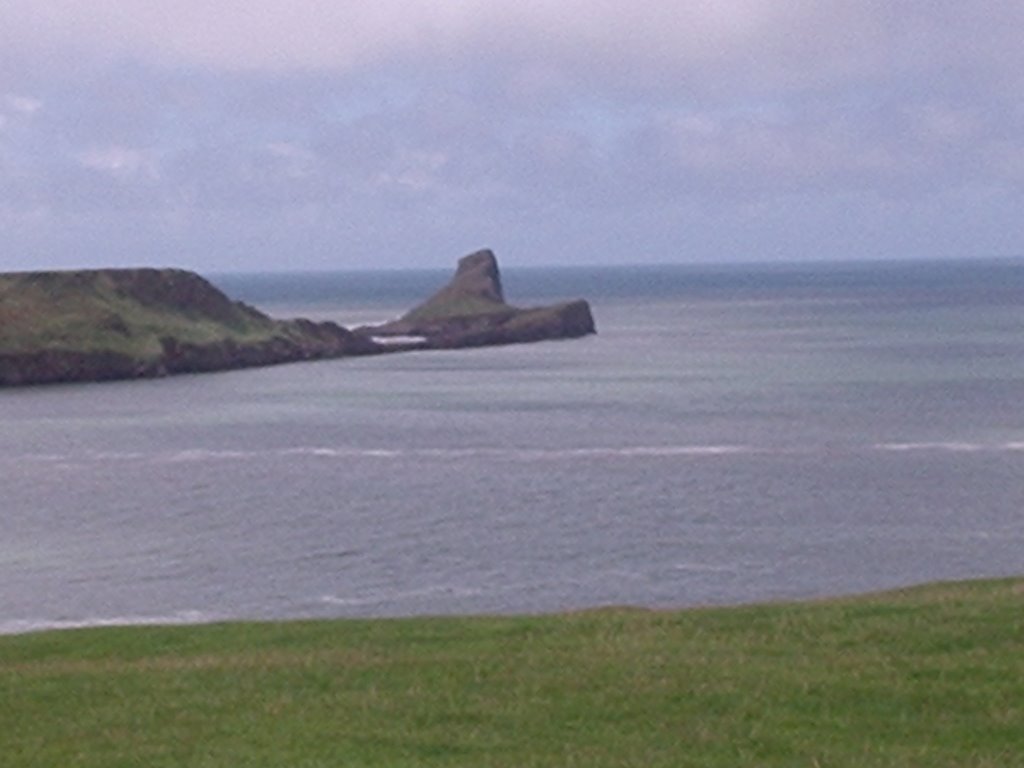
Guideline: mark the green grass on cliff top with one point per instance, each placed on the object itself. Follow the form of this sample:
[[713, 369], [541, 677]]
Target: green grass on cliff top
[[931, 676], [91, 314], [457, 306]]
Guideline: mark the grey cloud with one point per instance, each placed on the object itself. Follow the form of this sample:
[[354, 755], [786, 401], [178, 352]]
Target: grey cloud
[[893, 148], [624, 131], [796, 40]]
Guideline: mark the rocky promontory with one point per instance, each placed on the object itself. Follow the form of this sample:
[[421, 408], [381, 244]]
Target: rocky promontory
[[97, 325], [471, 311]]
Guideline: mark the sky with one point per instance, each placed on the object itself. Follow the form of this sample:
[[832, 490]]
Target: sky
[[330, 134]]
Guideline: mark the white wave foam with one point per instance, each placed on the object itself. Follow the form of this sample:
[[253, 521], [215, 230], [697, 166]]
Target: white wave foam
[[391, 596], [665, 450], [192, 455], [116, 456], [206, 455], [328, 453], [202, 455], [344, 453], [951, 446], [929, 446], [705, 568], [25, 626], [43, 458], [386, 340], [519, 453]]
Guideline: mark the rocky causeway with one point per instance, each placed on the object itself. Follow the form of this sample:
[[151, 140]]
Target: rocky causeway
[[107, 324]]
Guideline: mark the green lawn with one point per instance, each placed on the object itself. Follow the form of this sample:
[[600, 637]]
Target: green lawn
[[932, 676]]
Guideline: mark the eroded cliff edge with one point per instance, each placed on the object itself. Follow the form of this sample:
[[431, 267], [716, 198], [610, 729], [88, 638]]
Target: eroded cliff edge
[[98, 325]]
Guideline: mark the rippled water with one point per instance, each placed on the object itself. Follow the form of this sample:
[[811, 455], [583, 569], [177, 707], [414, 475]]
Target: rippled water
[[730, 435]]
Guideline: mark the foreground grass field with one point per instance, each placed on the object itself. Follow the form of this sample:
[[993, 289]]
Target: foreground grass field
[[932, 676]]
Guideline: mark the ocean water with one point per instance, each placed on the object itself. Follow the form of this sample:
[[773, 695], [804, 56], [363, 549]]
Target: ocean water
[[732, 434]]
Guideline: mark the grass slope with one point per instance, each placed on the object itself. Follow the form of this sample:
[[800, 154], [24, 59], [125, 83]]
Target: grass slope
[[932, 676], [121, 311], [457, 306]]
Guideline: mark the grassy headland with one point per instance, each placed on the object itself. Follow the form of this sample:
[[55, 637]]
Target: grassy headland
[[932, 676], [91, 325], [125, 311], [102, 324]]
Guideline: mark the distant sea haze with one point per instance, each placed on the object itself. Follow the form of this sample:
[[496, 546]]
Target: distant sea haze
[[732, 434]]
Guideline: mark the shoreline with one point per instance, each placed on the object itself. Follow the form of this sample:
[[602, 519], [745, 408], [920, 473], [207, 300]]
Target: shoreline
[[195, 618]]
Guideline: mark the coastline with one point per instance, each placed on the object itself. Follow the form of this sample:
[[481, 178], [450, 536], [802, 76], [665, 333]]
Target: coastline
[[97, 325], [193, 618]]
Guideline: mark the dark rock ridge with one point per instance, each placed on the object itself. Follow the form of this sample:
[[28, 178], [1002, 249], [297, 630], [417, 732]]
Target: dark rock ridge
[[99, 325], [470, 311]]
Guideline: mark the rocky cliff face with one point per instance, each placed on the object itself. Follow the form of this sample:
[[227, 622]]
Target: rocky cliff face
[[470, 311]]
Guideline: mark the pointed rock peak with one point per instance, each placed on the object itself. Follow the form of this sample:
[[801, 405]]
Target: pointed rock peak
[[477, 275], [475, 290], [470, 311]]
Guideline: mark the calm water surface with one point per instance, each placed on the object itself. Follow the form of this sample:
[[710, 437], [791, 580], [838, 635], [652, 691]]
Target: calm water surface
[[731, 435]]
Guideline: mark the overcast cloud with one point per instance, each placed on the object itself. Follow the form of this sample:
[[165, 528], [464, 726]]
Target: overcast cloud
[[327, 134]]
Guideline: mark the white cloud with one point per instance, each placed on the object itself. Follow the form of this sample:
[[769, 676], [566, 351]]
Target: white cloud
[[414, 171], [14, 107], [945, 124], [459, 111], [22, 105], [294, 161], [795, 39], [120, 162]]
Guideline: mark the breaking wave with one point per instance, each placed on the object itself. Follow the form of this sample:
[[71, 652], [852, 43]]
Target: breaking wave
[[951, 446], [202, 455], [26, 626]]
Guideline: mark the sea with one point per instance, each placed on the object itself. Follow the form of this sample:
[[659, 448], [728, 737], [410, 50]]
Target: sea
[[732, 434]]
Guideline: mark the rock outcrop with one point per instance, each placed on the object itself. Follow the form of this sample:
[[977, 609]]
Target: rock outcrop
[[471, 311]]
